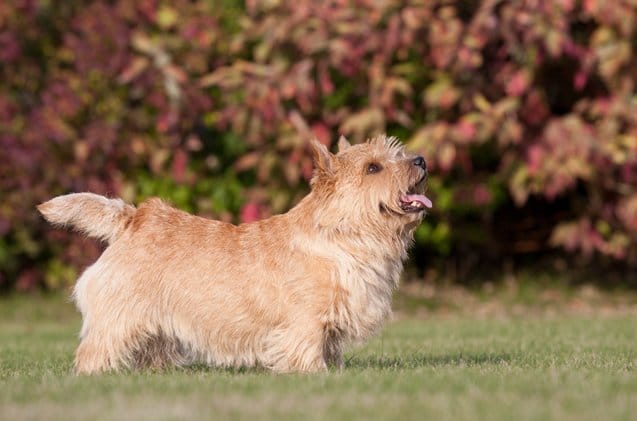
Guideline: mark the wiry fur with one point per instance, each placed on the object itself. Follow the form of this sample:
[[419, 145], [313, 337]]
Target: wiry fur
[[287, 293], [92, 214]]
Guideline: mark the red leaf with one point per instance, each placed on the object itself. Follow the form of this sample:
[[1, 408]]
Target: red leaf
[[518, 83], [534, 158], [466, 130], [481, 195], [180, 163], [322, 132], [580, 79], [250, 212]]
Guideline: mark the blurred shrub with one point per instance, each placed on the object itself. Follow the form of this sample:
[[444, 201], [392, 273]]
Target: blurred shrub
[[526, 111]]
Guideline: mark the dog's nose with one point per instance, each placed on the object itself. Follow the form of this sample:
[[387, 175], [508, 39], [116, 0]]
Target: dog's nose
[[419, 161]]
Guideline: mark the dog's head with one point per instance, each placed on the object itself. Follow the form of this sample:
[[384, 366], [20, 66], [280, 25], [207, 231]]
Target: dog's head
[[371, 181]]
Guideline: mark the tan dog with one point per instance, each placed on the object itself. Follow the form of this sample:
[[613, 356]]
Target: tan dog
[[286, 293]]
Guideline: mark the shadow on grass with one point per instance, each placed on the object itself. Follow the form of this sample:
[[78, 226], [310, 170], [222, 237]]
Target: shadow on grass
[[200, 368], [354, 362], [423, 360]]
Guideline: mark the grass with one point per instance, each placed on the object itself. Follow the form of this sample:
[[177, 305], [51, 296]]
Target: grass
[[559, 367]]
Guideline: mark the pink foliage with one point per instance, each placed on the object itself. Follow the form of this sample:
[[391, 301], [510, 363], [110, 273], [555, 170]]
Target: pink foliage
[[510, 102], [250, 212]]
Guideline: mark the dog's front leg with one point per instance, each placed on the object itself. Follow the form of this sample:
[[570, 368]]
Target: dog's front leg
[[333, 348], [296, 349]]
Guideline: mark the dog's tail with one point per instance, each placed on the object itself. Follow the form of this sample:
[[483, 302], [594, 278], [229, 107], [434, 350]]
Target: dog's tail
[[92, 214]]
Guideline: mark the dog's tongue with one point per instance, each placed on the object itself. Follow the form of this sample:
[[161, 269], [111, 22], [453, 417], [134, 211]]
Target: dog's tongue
[[420, 198]]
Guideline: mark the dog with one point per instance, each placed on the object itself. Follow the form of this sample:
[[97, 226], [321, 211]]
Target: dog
[[287, 293]]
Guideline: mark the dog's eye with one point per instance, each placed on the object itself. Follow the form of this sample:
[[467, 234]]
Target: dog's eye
[[373, 168]]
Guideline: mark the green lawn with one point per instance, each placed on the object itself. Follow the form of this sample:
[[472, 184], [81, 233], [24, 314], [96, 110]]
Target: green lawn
[[560, 367]]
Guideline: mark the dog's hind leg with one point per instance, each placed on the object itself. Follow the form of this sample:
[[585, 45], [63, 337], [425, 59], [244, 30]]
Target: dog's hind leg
[[108, 342], [101, 352]]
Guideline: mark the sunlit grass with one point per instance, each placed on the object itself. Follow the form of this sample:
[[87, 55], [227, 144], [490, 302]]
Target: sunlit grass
[[561, 367]]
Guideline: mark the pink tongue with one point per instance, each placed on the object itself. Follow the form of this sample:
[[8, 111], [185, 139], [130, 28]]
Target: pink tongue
[[424, 200]]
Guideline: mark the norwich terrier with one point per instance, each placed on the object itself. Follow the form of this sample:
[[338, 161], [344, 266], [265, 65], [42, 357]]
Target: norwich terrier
[[286, 293]]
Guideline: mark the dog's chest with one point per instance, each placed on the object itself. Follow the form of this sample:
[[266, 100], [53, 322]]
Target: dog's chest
[[363, 275], [365, 302]]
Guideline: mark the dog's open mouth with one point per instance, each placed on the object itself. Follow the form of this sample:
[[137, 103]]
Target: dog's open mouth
[[412, 202]]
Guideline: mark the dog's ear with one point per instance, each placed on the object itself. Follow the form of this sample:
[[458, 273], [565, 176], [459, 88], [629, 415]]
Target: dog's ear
[[343, 143], [323, 159]]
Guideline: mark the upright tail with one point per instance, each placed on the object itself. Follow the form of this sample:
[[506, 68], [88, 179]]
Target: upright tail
[[92, 214]]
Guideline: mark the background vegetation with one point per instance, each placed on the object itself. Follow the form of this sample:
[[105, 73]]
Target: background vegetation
[[526, 112]]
